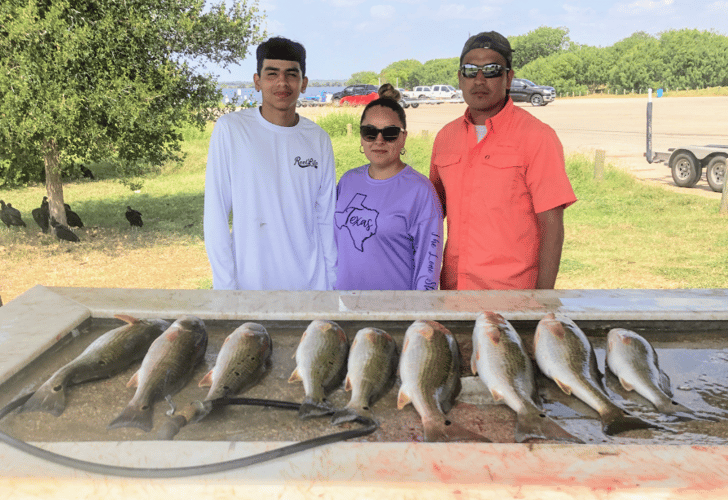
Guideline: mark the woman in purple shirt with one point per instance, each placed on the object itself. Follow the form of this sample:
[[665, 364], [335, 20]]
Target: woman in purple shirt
[[388, 221]]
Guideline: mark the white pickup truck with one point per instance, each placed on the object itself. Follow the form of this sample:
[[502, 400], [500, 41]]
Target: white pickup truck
[[432, 92]]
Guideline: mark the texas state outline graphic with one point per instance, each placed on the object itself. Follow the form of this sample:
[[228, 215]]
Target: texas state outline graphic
[[360, 221]]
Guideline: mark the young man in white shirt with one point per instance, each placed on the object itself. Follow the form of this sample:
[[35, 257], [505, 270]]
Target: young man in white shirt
[[274, 171]]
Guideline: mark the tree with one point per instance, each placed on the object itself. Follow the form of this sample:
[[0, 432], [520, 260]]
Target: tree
[[541, 42], [438, 71], [92, 80], [364, 77], [402, 72]]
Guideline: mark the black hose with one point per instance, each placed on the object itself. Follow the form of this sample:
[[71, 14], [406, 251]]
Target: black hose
[[195, 470]]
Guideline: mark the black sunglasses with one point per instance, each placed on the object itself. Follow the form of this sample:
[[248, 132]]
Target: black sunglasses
[[492, 70], [369, 133]]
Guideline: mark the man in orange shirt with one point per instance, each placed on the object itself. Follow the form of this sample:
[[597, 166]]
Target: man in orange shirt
[[502, 181]]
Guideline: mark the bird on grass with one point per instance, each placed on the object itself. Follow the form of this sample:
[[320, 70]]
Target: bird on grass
[[72, 217], [10, 216], [134, 217], [62, 232], [41, 215]]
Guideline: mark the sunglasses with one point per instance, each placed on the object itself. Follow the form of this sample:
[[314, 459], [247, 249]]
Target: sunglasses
[[492, 70], [370, 133]]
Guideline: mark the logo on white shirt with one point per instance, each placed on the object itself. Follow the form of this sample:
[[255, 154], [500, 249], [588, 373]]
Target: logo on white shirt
[[305, 163]]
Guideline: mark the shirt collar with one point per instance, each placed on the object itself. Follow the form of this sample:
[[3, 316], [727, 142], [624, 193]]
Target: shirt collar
[[495, 122]]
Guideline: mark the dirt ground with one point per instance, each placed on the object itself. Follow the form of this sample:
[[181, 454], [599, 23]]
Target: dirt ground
[[615, 125]]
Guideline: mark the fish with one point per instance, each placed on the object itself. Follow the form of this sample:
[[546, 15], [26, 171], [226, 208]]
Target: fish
[[634, 362], [564, 354], [370, 374], [243, 359], [107, 355], [429, 369], [321, 358], [502, 364], [165, 369]]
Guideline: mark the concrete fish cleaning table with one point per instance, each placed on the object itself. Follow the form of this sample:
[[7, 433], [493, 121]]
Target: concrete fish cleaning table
[[43, 318]]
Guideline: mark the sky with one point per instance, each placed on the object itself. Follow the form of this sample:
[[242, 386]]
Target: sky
[[343, 37]]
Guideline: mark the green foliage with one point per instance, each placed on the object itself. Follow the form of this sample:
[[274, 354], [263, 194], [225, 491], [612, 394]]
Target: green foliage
[[104, 79], [335, 124], [363, 77], [438, 71], [402, 73], [539, 43]]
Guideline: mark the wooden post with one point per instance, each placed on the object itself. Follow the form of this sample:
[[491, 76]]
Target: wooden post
[[348, 129], [724, 199], [599, 164]]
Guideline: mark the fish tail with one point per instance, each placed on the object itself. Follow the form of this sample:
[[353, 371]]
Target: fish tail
[[49, 397], [446, 430], [540, 426], [134, 416], [351, 413], [311, 408], [616, 422]]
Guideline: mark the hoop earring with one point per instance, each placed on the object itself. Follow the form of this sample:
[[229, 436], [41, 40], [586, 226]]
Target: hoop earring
[[361, 149], [403, 152]]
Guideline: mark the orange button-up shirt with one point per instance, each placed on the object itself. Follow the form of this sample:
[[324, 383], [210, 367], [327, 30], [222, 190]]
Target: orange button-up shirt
[[491, 192]]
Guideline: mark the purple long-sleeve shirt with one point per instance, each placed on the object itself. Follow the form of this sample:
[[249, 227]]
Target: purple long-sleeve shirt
[[388, 232]]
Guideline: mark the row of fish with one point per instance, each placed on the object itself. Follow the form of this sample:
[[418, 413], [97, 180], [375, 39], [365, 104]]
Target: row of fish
[[429, 370]]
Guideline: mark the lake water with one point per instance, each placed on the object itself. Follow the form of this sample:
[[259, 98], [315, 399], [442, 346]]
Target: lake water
[[252, 95]]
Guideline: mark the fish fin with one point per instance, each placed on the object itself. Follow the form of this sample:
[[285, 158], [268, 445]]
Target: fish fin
[[295, 376], [206, 381], [563, 387], [350, 414], [497, 396], [134, 380], [402, 399], [348, 385], [617, 421], [537, 425], [48, 399], [134, 416], [664, 383], [311, 408], [448, 431], [127, 319], [627, 386]]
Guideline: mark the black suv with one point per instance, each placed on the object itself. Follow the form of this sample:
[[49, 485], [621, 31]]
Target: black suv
[[523, 90], [359, 89]]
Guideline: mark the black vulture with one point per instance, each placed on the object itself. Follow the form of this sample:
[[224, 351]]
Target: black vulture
[[62, 232], [10, 216], [134, 217], [72, 217], [41, 215]]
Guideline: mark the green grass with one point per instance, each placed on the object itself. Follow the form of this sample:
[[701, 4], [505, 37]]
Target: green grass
[[622, 233]]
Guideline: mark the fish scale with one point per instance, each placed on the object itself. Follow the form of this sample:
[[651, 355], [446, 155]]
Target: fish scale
[[502, 364], [429, 368], [165, 369], [564, 354], [110, 353]]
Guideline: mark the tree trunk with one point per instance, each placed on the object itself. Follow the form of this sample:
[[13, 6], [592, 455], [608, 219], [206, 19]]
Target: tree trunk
[[54, 186]]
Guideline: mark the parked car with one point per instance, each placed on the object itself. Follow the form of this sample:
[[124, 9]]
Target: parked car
[[523, 90], [359, 89]]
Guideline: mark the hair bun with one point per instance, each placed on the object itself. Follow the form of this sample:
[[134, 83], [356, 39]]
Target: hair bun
[[387, 91]]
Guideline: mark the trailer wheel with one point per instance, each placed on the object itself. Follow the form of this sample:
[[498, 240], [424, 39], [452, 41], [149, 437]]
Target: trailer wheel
[[404, 104], [716, 173], [415, 104], [686, 170]]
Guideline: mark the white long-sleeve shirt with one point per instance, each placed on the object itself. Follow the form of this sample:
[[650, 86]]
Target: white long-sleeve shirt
[[279, 183]]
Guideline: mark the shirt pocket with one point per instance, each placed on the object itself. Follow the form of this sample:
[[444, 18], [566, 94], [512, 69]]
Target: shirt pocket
[[445, 163], [501, 180]]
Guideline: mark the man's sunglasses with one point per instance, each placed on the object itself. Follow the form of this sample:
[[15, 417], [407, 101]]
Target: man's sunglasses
[[369, 133], [489, 70]]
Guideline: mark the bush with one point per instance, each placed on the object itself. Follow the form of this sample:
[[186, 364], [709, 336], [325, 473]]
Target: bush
[[335, 124]]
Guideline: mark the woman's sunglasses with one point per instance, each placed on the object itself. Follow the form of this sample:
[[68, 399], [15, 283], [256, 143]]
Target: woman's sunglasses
[[489, 70], [369, 133]]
